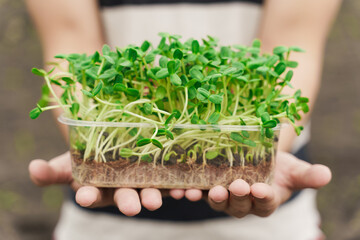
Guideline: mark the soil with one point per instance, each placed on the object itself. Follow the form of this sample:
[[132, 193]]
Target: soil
[[130, 172]]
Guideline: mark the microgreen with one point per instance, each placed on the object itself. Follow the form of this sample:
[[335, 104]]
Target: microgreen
[[173, 83]]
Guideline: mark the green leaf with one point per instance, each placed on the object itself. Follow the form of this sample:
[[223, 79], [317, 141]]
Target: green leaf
[[192, 92], [265, 117], [230, 70], [269, 124], [280, 68], [254, 64], [259, 92], [288, 76], [195, 47], [74, 108], [125, 63], [299, 129], [162, 73], [267, 144], [256, 43], [297, 94], [132, 92], [303, 99], [216, 98], [291, 64], [211, 154], [304, 107], [225, 52], [280, 50], [202, 94], [176, 113], [150, 58], [171, 67], [160, 92], [269, 133], [236, 137], [262, 70], [245, 134], [194, 119], [97, 88], [242, 122], [214, 118], [169, 118], [126, 152], [175, 79], [35, 113], [60, 56], [68, 80], [109, 59], [272, 60], [87, 93], [162, 43], [95, 57], [203, 60], [195, 73], [296, 49], [156, 143], [163, 62], [119, 87], [106, 49], [249, 142], [169, 134], [39, 72], [148, 108], [108, 74], [178, 54], [145, 46], [132, 54], [143, 142], [52, 81], [133, 132], [260, 110], [164, 34]]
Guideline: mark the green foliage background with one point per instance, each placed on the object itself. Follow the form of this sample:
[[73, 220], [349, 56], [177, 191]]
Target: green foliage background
[[28, 212]]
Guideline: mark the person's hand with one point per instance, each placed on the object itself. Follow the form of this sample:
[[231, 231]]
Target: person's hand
[[241, 199], [129, 201], [262, 199]]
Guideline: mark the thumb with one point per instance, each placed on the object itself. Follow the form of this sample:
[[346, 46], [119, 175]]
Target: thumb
[[311, 176], [56, 171]]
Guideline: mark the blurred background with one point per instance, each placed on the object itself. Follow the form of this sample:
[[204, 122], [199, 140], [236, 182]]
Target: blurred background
[[28, 212]]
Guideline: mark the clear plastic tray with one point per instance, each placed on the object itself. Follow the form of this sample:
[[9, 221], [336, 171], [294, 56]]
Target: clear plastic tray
[[106, 154]]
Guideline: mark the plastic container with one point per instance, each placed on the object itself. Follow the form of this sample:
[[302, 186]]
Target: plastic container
[[105, 154]]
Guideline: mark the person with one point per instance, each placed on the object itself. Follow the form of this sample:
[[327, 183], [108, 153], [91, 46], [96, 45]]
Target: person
[[82, 26]]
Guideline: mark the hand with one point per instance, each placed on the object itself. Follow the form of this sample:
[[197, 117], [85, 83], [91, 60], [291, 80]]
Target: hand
[[129, 201], [241, 199], [262, 199]]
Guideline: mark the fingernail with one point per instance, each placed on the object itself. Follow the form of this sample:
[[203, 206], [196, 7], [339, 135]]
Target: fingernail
[[239, 195]]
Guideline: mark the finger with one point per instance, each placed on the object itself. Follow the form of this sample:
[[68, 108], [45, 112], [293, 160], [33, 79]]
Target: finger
[[177, 193], [218, 198], [56, 171], [89, 196], [151, 198], [310, 176], [264, 199], [193, 194], [127, 200], [240, 200]]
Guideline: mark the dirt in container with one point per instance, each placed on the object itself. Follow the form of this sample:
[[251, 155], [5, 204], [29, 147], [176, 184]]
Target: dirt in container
[[174, 173]]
